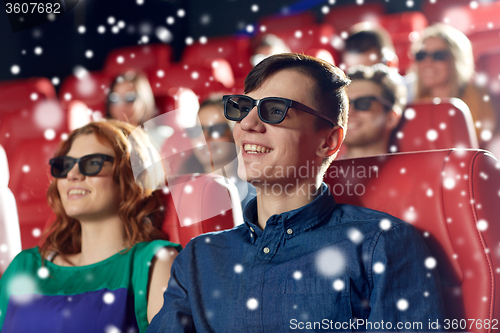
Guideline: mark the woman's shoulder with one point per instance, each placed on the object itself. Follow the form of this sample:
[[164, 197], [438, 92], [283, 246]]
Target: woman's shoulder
[[149, 249]]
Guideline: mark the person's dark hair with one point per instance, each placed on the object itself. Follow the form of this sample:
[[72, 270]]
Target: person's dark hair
[[363, 39], [393, 88], [330, 95]]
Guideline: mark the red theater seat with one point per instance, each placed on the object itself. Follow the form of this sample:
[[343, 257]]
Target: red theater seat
[[200, 203], [451, 197], [234, 49], [434, 10], [274, 23], [30, 137], [308, 39], [91, 89], [144, 58], [427, 125], [10, 236], [344, 17], [404, 28], [198, 78], [18, 94]]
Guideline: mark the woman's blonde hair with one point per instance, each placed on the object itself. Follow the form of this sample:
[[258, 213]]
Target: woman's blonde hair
[[462, 58]]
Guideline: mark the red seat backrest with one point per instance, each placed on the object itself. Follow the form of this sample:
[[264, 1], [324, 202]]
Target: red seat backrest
[[198, 78], [234, 49], [143, 58], [404, 29], [200, 203], [271, 24], [92, 89], [30, 136], [10, 237], [307, 39], [18, 94], [451, 197], [441, 125], [434, 10], [344, 17]]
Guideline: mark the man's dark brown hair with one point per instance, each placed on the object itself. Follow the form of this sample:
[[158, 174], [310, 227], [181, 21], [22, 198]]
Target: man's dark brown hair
[[330, 95]]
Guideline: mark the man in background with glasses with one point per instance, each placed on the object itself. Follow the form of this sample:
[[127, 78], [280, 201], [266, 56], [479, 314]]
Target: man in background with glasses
[[300, 261], [377, 97]]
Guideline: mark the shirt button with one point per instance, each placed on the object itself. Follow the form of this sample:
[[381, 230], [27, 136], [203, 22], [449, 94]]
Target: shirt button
[[252, 229], [289, 231], [266, 250]]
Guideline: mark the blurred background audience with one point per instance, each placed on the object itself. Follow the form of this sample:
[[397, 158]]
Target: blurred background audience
[[220, 152], [444, 67], [377, 97]]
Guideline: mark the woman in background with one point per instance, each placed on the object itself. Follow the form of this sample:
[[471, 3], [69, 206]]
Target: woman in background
[[444, 66], [103, 266]]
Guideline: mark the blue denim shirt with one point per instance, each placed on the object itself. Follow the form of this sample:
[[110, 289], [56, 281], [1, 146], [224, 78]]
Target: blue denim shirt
[[322, 267]]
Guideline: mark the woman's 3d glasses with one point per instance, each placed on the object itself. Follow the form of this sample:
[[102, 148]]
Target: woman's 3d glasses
[[215, 131], [364, 103], [89, 165], [271, 110], [437, 56], [129, 98]]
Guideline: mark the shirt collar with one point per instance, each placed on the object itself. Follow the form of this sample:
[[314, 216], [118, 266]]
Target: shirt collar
[[295, 221]]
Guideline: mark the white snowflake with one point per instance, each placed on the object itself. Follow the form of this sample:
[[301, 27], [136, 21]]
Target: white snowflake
[[402, 304], [255, 8], [378, 267], [355, 235], [82, 29], [338, 285], [385, 224], [108, 298], [15, 69], [252, 304], [297, 275], [482, 225], [181, 13], [43, 273], [410, 114], [238, 268], [430, 263], [330, 262]]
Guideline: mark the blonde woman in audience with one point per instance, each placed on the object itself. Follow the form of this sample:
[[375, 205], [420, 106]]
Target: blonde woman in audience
[[444, 66]]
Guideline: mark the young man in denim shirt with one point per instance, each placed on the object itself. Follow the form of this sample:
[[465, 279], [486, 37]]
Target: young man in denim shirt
[[300, 262]]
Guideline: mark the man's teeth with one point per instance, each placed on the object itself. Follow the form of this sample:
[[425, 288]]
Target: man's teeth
[[78, 192], [255, 149]]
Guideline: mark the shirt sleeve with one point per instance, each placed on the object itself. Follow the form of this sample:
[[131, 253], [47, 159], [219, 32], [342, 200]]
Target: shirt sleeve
[[405, 290], [175, 314]]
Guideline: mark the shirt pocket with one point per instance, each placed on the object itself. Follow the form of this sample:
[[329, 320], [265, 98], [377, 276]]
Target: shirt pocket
[[316, 304]]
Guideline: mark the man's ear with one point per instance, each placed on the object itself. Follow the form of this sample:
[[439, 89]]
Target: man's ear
[[331, 141], [393, 119]]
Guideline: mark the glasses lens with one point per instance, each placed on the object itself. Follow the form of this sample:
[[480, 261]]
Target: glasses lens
[[194, 132], [114, 97], [61, 165], [419, 56], [273, 111], [130, 97], [91, 165], [237, 108], [440, 55], [218, 130], [363, 103]]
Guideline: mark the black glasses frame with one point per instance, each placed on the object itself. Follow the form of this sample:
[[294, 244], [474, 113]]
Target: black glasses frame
[[258, 102], [372, 98], [129, 98], [440, 55], [73, 161]]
